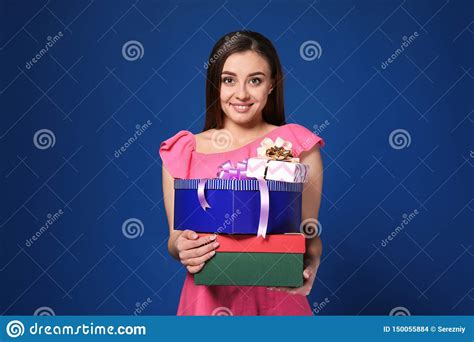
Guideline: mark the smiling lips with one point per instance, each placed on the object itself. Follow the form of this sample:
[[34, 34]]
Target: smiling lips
[[241, 107]]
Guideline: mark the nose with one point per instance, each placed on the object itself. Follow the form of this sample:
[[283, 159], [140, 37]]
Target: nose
[[242, 93]]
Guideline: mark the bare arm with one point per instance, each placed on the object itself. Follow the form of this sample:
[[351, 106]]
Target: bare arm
[[185, 246], [168, 195], [310, 209]]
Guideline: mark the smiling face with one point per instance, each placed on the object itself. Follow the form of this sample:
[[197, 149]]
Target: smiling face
[[245, 85]]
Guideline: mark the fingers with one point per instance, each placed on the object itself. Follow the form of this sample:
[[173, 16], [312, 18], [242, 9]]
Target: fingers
[[194, 251], [189, 234], [199, 260], [198, 252], [304, 290], [307, 274], [194, 269], [186, 243]]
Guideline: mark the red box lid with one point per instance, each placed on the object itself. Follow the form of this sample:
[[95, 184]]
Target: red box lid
[[273, 243]]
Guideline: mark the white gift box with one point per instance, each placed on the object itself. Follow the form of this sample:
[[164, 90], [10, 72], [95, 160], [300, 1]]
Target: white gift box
[[277, 170], [256, 167], [287, 171]]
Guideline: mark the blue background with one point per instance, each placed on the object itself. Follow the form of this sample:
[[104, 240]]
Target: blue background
[[92, 98]]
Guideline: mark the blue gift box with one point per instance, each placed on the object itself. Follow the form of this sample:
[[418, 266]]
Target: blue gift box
[[235, 206]]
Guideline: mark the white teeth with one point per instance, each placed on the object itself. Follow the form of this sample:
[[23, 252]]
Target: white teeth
[[242, 108]]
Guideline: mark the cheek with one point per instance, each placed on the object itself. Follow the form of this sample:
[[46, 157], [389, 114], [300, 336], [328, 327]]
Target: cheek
[[260, 94], [225, 94]]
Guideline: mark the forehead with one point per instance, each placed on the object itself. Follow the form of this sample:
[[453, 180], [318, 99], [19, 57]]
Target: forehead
[[244, 63]]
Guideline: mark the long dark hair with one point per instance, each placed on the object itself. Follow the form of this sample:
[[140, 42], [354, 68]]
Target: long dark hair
[[240, 41]]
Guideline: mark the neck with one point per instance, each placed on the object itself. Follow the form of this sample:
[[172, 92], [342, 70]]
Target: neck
[[242, 133]]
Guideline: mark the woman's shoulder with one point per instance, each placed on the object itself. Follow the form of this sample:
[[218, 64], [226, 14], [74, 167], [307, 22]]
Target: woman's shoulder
[[301, 138], [176, 153], [178, 143], [204, 135], [204, 140]]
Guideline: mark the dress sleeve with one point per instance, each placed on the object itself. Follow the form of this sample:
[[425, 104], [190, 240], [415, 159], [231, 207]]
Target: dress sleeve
[[176, 153], [302, 139]]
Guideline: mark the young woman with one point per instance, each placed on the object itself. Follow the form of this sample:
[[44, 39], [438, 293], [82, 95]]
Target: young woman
[[244, 104]]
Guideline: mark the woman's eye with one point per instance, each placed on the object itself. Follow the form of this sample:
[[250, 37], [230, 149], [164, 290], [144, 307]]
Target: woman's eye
[[227, 80], [255, 81]]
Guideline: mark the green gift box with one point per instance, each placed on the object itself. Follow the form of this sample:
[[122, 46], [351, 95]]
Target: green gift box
[[247, 260]]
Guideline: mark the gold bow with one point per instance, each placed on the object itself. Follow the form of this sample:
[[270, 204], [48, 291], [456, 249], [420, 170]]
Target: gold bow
[[279, 150]]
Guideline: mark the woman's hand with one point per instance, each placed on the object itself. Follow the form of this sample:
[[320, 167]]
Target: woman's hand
[[194, 251], [185, 246], [312, 257], [309, 275]]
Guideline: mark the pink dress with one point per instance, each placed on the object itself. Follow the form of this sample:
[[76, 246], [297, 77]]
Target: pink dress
[[182, 161]]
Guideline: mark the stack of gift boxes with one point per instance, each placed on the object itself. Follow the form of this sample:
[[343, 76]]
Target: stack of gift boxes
[[255, 208]]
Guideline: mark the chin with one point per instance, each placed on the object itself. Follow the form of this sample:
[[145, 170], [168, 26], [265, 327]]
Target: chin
[[242, 118]]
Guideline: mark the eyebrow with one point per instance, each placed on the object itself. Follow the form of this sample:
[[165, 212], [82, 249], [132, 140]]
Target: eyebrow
[[252, 74]]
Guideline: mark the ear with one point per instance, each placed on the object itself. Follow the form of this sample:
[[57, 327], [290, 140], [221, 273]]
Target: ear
[[271, 87]]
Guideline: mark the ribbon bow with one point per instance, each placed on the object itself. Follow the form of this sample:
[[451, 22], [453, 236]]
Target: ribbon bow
[[229, 171], [279, 150]]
